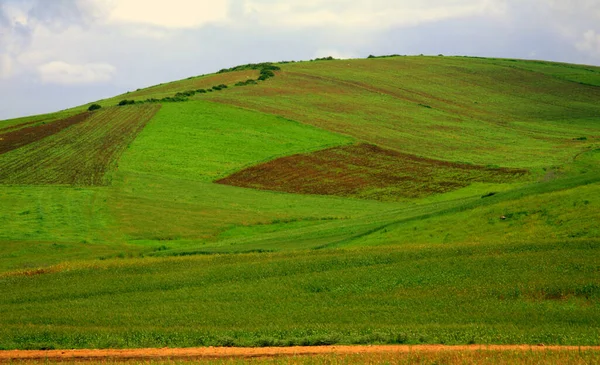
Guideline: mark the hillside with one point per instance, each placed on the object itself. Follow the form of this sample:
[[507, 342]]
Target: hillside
[[382, 200]]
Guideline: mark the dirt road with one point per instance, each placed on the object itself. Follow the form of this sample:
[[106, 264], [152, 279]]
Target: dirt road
[[237, 352]]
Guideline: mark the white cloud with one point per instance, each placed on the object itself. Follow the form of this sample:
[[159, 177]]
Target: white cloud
[[335, 54], [590, 43], [373, 14], [5, 66], [171, 13], [63, 73]]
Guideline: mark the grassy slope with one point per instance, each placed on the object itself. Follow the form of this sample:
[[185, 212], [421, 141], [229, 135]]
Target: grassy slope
[[479, 112], [440, 258]]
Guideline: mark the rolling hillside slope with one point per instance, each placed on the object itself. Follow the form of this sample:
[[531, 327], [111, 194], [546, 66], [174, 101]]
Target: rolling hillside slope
[[384, 200]]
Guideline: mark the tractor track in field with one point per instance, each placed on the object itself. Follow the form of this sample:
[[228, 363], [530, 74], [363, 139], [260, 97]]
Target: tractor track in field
[[258, 352]]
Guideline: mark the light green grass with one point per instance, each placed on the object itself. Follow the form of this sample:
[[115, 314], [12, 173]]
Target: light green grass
[[203, 141]]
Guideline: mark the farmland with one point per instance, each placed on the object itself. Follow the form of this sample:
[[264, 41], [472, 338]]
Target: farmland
[[49, 157], [397, 200]]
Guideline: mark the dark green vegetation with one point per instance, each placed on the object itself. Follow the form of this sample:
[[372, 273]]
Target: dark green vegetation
[[387, 200]]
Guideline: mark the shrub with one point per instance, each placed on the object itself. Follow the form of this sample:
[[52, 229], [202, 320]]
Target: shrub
[[324, 59], [247, 82], [185, 93], [94, 107], [201, 91], [126, 102]]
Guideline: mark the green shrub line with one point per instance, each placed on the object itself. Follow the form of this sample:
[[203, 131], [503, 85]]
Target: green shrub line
[[266, 72]]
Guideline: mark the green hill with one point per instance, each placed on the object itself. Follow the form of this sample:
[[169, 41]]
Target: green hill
[[384, 200]]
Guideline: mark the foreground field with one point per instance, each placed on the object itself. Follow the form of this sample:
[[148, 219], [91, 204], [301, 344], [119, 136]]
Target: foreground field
[[397, 200], [448, 294]]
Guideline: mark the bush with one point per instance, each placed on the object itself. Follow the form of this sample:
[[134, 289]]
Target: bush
[[201, 91], [324, 59], [126, 102], [185, 93], [94, 107], [247, 82]]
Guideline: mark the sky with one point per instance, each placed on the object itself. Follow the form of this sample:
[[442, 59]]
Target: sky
[[56, 54]]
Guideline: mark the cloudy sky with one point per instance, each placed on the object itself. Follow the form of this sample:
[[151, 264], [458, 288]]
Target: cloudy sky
[[56, 54]]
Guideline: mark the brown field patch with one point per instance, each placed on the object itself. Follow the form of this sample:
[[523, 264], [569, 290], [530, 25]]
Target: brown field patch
[[366, 171], [80, 155], [28, 134]]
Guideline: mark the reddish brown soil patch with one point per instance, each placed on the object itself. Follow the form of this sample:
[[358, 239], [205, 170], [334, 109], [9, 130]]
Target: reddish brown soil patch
[[80, 155], [366, 171], [239, 352], [24, 136]]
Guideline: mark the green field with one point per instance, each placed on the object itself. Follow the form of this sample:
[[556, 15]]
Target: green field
[[408, 200]]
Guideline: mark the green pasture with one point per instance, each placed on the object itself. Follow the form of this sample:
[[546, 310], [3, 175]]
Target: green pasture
[[160, 255]]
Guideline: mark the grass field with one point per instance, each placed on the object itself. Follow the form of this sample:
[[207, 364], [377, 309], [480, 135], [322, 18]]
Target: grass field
[[391, 200]]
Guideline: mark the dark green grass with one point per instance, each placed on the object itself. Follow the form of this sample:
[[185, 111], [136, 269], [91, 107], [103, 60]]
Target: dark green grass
[[526, 293]]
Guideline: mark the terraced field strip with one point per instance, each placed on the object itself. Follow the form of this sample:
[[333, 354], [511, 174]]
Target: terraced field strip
[[80, 155], [366, 171], [28, 134], [264, 352]]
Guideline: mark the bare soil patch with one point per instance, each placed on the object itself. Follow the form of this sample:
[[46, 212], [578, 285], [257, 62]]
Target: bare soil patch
[[366, 171]]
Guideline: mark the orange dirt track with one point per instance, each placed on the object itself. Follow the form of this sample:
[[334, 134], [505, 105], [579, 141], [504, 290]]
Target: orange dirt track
[[262, 352]]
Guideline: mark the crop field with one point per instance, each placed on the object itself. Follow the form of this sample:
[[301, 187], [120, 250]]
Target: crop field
[[366, 171], [50, 157], [396, 200]]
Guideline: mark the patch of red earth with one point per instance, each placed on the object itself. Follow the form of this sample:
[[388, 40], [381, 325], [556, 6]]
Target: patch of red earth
[[366, 171], [264, 352], [24, 136]]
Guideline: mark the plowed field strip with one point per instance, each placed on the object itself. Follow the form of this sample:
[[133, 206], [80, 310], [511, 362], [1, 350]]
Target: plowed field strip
[[240, 352], [366, 171], [80, 155], [24, 136]]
